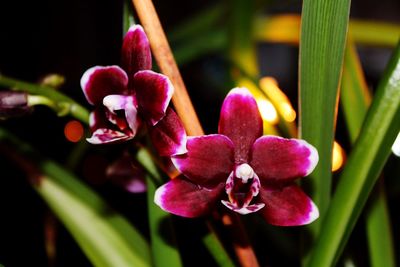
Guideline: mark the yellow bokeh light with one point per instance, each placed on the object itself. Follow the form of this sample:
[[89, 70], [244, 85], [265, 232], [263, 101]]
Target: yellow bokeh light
[[268, 111], [270, 87], [337, 156]]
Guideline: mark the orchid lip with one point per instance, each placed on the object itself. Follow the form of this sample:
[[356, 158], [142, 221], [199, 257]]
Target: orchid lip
[[241, 187]]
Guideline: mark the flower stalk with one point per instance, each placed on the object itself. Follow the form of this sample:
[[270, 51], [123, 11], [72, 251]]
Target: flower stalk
[[165, 60]]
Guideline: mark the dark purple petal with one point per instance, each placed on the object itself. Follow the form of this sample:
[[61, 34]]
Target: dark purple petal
[[128, 174], [241, 121], [288, 206], [136, 53], [184, 198], [209, 159], [153, 93], [115, 103], [276, 159], [107, 136], [98, 82], [168, 135]]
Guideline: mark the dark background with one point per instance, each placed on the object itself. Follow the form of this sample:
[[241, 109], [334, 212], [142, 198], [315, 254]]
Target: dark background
[[67, 37]]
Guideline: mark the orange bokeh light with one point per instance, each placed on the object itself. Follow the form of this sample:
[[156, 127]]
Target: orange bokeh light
[[73, 131]]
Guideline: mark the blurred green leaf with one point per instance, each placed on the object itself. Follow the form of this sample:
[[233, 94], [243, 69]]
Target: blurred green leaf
[[355, 100], [285, 28], [105, 236], [163, 243], [321, 56], [379, 231], [354, 95], [364, 165]]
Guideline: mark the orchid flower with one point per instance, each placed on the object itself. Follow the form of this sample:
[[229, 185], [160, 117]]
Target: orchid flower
[[125, 98], [242, 169]]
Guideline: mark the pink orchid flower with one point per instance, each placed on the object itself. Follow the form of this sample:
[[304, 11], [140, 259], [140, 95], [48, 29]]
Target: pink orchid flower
[[125, 98], [242, 169]]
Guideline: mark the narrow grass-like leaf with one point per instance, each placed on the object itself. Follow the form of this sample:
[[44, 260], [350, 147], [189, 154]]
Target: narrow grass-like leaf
[[105, 236], [355, 100], [366, 161], [354, 96], [323, 36], [379, 231], [163, 245], [215, 247]]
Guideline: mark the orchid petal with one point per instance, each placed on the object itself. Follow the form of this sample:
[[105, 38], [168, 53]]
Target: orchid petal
[[98, 82], [209, 159], [128, 174], [277, 159], [107, 136], [184, 198], [136, 54], [288, 206], [241, 121], [168, 135], [153, 92]]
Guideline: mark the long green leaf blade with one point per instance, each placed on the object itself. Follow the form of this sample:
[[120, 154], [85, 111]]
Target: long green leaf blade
[[355, 100], [323, 34], [366, 161], [379, 231], [105, 236]]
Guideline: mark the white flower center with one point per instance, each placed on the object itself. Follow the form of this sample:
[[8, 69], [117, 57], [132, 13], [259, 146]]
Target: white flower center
[[244, 172]]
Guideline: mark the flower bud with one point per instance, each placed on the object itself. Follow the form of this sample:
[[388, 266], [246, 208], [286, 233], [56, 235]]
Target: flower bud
[[13, 104]]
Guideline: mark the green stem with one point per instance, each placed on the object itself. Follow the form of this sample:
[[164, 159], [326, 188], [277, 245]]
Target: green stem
[[62, 103]]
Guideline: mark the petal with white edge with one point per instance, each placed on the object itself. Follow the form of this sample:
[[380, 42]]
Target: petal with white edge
[[288, 206], [184, 198], [136, 54], [153, 92], [168, 135], [209, 159], [98, 82], [277, 159], [241, 121]]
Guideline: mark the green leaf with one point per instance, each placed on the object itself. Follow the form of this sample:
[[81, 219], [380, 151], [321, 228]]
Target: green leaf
[[379, 231], [354, 96], [163, 243], [286, 29], [355, 100], [321, 55], [105, 236], [364, 165]]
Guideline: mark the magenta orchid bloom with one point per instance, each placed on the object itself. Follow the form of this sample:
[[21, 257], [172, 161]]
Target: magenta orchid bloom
[[126, 97], [256, 172]]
